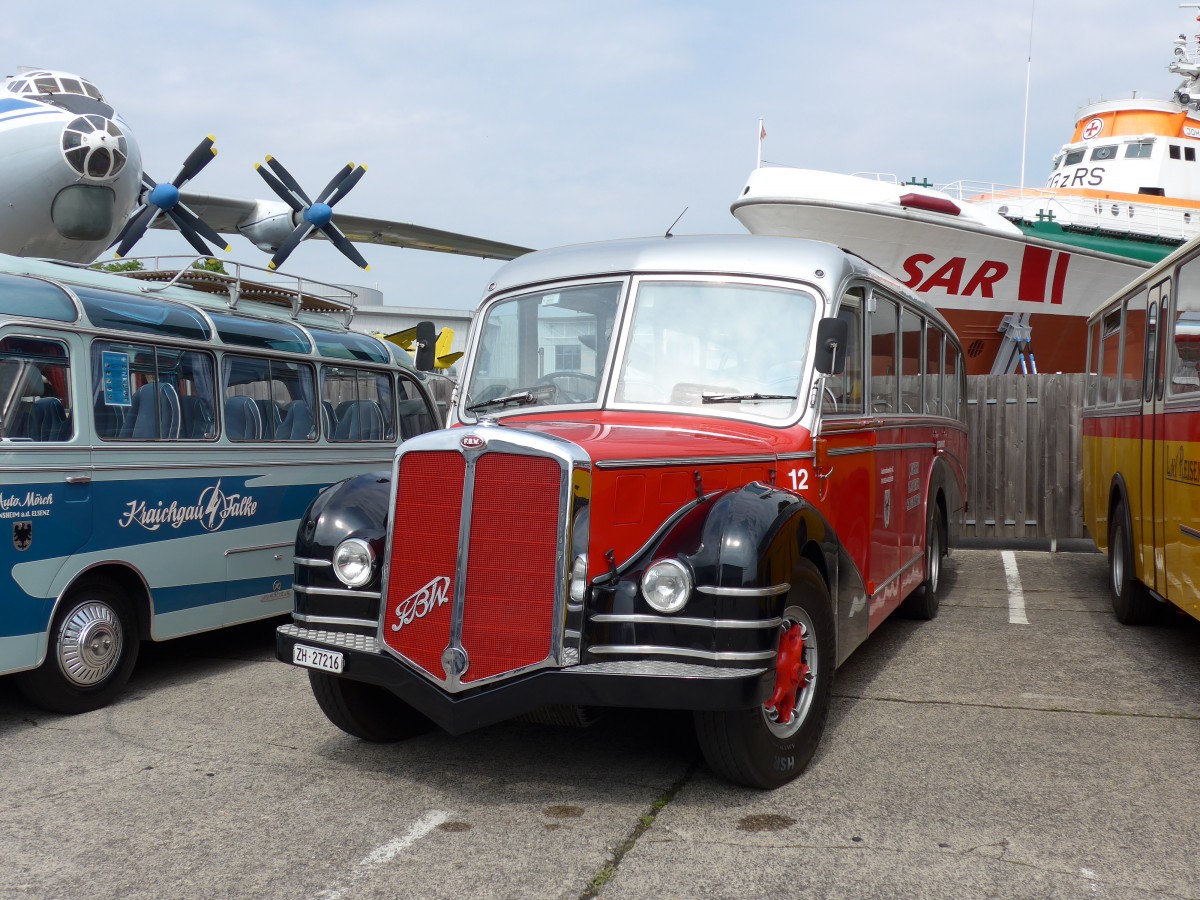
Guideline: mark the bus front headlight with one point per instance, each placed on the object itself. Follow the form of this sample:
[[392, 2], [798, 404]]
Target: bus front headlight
[[667, 585], [579, 570], [352, 562]]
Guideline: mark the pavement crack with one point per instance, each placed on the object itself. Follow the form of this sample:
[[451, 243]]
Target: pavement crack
[[1116, 713], [608, 871]]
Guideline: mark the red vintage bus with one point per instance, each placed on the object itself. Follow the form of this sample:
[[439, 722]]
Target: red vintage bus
[[686, 473]]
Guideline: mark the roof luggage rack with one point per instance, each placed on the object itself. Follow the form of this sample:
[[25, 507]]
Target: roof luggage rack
[[240, 282]]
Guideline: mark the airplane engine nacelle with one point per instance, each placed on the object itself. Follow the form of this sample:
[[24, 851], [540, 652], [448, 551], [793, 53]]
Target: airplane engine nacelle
[[269, 225]]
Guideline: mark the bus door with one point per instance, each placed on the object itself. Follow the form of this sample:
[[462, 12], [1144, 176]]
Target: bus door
[[1153, 530], [45, 494], [1180, 446]]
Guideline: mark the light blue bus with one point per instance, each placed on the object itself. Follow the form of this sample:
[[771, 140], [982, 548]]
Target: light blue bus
[[160, 437]]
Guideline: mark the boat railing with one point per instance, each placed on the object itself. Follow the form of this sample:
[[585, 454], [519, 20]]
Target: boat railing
[[1080, 213]]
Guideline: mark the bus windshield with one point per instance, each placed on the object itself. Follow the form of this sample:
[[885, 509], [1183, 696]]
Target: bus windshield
[[728, 346], [706, 343]]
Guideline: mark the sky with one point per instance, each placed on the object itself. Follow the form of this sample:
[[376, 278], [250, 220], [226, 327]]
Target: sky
[[544, 123]]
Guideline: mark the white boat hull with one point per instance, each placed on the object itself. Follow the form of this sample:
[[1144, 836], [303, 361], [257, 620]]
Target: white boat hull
[[974, 269]]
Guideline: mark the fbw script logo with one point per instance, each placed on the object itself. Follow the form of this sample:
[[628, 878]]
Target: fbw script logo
[[211, 510], [422, 602]]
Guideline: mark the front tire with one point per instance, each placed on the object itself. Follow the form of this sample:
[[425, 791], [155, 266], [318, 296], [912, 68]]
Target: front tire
[[1131, 603], [366, 711], [754, 747], [93, 645]]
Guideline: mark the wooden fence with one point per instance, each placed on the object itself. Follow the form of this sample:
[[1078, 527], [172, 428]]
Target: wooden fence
[[1025, 477]]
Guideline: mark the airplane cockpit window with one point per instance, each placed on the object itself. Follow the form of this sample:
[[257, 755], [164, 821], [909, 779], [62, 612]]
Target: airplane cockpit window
[[46, 83]]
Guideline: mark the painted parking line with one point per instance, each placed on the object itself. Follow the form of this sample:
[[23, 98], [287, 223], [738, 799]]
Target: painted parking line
[[1016, 597], [385, 853]]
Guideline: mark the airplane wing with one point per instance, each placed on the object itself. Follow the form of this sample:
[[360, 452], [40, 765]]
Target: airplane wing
[[260, 221]]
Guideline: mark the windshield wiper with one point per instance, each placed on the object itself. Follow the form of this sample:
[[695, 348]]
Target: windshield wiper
[[738, 398], [522, 398]]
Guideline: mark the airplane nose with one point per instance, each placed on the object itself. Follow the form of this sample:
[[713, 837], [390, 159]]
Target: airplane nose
[[95, 147]]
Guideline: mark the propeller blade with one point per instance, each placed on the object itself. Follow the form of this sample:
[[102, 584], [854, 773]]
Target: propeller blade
[[202, 228], [342, 242], [280, 189], [135, 228], [334, 182], [346, 184], [286, 177], [128, 227], [186, 229], [197, 160], [302, 231]]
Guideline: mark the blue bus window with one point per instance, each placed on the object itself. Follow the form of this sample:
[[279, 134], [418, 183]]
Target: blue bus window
[[260, 333], [167, 394], [348, 345], [35, 394], [357, 405], [269, 400], [126, 312], [21, 296]]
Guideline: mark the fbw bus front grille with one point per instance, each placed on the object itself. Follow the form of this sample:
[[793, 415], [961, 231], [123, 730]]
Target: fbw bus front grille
[[501, 619]]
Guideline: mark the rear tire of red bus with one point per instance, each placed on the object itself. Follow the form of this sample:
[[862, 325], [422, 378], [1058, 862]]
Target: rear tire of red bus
[[93, 645], [1131, 603], [366, 711], [923, 602], [750, 746]]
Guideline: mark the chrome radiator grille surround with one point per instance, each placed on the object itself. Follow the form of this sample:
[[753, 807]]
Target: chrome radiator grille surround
[[478, 553]]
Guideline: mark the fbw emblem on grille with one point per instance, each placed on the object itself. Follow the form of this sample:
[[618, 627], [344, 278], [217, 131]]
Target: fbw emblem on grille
[[471, 442], [422, 602]]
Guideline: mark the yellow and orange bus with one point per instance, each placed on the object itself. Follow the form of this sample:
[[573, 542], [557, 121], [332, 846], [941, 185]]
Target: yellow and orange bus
[[1141, 438]]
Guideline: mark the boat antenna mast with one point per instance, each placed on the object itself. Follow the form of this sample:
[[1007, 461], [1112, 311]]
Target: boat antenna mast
[[1187, 64], [1028, 73]]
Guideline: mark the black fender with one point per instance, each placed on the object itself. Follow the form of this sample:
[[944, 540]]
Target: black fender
[[357, 507], [745, 539]]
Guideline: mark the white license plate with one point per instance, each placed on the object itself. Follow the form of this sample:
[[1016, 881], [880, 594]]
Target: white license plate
[[316, 658]]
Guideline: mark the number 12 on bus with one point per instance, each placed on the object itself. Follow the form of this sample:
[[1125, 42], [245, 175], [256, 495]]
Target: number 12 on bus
[[1141, 439]]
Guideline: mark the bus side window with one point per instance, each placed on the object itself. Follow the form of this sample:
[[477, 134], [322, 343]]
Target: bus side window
[[934, 339], [1184, 363], [414, 415], [1132, 353], [953, 391], [910, 361], [845, 394], [269, 400], [885, 376], [361, 404], [35, 390], [141, 392], [1110, 352]]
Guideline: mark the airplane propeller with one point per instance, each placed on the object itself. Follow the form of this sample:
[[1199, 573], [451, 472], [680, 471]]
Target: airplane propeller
[[164, 198], [313, 214]]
